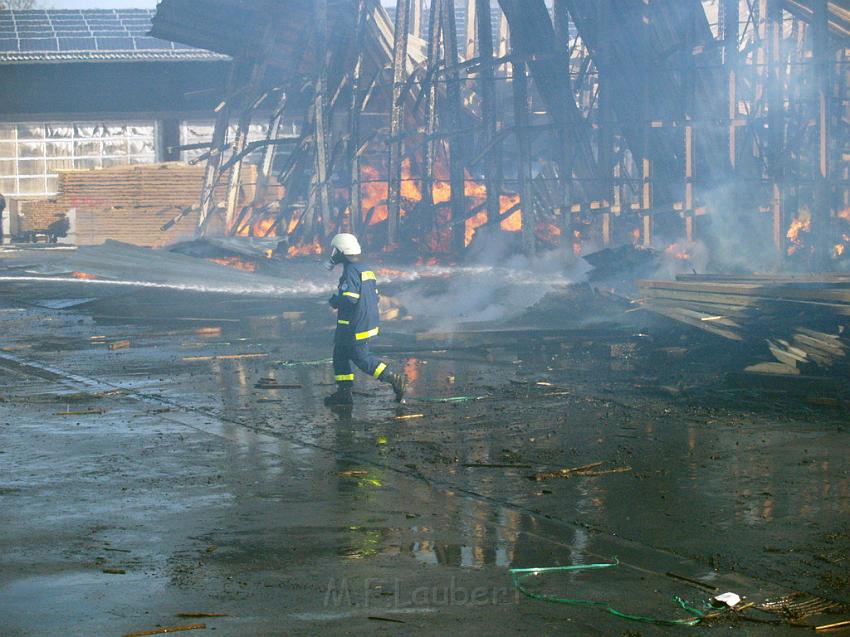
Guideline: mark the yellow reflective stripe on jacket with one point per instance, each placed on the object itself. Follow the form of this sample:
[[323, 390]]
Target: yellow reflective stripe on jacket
[[341, 322], [379, 370], [343, 377], [353, 295], [368, 275], [362, 336]]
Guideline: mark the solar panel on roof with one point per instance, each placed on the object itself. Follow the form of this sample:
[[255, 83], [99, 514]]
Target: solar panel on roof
[[115, 44], [151, 43], [39, 44], [77, 44], [82, 34]]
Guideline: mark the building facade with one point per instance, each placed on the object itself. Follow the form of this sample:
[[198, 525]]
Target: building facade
[[90, 89]]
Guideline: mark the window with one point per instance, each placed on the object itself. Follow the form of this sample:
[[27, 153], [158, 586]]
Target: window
[[202, 132], [31, 154]]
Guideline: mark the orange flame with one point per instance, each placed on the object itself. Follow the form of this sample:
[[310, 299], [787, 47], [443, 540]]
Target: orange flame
[[803, 223], [305, 250], [261, 228], [237, 263], [677, 251]]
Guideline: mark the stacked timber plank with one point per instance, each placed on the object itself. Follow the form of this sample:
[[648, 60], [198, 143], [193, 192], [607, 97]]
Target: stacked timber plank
[[803, 320], [131, 203], [141, 185]]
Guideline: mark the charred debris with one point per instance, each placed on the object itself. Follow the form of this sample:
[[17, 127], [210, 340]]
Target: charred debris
[[655, 141]]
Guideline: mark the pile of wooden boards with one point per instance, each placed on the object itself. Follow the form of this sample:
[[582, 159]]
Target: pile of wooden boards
[[130, 203], [142, 185], [801, 319]]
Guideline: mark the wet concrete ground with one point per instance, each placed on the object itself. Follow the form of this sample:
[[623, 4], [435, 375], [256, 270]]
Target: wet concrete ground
[[166, 464]]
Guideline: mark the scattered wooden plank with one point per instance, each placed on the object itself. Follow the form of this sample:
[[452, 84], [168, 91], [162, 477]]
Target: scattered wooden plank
[[162, 630]]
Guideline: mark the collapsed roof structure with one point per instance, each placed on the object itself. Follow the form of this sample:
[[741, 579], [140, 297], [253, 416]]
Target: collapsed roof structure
[[608, 121]]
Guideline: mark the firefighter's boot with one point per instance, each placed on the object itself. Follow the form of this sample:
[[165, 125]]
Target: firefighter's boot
[[342, 396], [397, 381]]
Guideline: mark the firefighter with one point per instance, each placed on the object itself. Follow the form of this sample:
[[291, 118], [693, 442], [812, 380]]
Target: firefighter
[[358, 321]]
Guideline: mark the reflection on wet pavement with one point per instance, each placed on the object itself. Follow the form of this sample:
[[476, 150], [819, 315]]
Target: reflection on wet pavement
[[212, 474]]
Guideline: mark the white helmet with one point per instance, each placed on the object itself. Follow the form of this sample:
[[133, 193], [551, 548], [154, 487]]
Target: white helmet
[[347, 244]]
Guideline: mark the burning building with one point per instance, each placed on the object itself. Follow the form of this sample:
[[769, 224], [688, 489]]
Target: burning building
[[567, 120]]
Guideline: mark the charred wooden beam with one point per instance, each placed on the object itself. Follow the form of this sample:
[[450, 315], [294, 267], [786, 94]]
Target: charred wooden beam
[[402, 23], [776, 120], [486, 83], [823, 204], [472, 27], [730, 21], [219, 139], [429, 87], [354, 200], [417, 26], [320, 102], [453, 110], [605, 124], [689, 89], [270, 147], [258, 70], [520, 95]]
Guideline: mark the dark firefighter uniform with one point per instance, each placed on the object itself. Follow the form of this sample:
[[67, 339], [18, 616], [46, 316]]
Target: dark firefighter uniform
[[358, 320]]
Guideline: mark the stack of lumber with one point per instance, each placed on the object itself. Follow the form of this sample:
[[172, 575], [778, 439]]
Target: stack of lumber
[[143, 185], [131, 203], [802, 320]]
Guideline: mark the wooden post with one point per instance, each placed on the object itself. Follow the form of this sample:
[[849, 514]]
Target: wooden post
[[219, 139], [249, 103], [504, 41], [355, 214], [486, 83], [564, 151], [430, 146], [731, 20], [416, 23], [823, 204], [690, 106], [453, 109], [472, 17], [270, 150], [320, 102], [776, 121], [520, 91], [605, 121], [402, 23], [646, 200]]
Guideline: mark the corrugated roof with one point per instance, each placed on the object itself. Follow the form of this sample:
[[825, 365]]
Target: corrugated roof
[[88, 35]]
